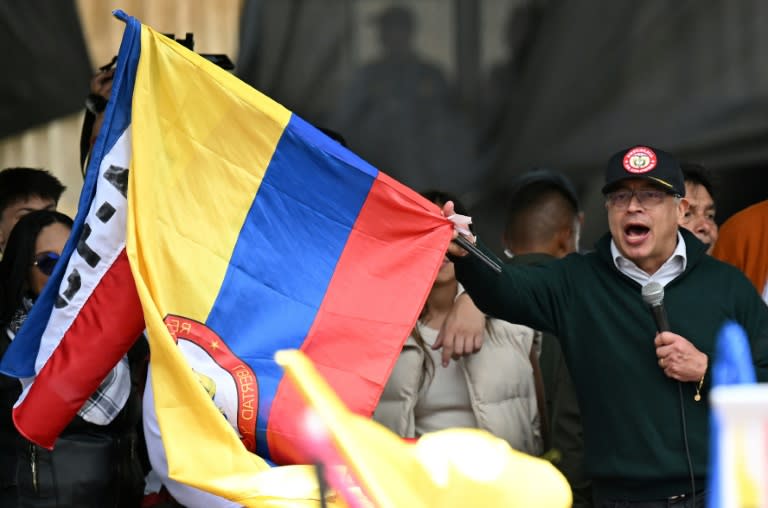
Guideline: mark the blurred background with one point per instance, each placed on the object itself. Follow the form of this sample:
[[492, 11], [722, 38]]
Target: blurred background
[[460, 95]]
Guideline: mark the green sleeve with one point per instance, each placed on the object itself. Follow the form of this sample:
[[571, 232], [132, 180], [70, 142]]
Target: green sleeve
[[531, 295]]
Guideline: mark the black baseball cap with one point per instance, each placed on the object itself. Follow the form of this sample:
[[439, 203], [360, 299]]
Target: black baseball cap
[[657, 166]]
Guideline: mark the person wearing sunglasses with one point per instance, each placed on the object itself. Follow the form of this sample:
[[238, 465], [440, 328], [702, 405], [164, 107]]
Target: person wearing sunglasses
[[33, 247], [642, 384], [90, 465]]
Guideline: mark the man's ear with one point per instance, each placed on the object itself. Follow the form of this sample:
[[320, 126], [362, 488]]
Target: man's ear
[[566, 241], [682, 207], [578, 227]]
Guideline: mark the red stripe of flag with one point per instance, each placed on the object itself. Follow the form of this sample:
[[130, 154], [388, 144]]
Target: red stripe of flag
[[365, 317], [82, 359]]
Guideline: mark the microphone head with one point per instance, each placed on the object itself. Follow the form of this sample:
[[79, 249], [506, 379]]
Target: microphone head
[[653, 293]]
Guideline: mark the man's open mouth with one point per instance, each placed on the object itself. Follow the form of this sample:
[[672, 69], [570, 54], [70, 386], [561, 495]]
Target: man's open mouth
[[636, 230], [636, 234]]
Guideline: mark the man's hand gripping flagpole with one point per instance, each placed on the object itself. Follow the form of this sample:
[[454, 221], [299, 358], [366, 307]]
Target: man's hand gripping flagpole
[[463, 239]]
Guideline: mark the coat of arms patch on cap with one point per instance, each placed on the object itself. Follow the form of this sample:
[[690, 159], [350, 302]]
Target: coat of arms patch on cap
[[640, 159]]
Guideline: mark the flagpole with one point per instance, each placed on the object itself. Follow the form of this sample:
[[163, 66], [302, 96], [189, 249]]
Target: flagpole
[[469, 246]]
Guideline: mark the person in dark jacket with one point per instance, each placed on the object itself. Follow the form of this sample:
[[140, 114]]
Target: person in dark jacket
[[642, 391], [543, 223], [22, 275], [90, 465]]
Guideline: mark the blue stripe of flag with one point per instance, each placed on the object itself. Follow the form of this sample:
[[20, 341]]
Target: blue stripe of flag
[[287, 251]]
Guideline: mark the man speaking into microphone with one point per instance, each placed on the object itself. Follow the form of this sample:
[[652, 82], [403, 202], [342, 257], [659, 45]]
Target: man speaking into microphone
[[642, 387]]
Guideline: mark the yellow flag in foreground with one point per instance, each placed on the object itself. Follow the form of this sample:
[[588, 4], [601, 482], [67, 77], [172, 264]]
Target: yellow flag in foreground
[[451, 468]]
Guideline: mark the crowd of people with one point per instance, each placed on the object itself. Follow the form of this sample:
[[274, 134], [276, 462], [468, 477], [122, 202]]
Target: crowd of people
[[624, 413], [559, 355]]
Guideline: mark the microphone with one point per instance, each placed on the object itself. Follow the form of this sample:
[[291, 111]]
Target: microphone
[[653, 295]]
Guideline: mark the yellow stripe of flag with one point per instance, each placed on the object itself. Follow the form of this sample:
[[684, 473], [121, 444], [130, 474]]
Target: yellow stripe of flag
[[191, 149], [202, 140]]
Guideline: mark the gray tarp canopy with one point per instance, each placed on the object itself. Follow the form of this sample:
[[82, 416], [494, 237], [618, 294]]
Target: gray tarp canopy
[[467, 113], [45, 68], [687, 76]]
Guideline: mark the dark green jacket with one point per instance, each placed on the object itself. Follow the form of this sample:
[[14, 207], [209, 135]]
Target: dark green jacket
[[566, 434], [630, 409]]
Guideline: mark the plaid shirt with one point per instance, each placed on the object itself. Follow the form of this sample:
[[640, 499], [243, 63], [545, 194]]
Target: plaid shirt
[[110, 397]]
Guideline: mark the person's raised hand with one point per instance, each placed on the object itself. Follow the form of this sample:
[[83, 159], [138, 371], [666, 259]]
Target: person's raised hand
[[462, 331]]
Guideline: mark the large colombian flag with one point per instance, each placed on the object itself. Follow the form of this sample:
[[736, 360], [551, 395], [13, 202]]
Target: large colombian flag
[[248, 231]]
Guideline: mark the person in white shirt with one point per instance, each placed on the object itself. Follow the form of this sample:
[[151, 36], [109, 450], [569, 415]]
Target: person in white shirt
[[493, 389]]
